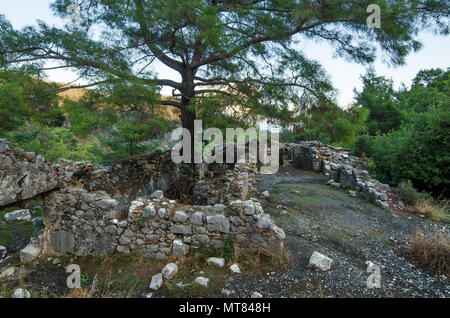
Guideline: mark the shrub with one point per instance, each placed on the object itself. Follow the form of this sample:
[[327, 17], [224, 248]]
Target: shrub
[[408, 193]]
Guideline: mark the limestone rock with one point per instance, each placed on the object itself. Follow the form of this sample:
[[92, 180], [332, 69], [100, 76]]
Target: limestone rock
[[179, 248], [18, 215], [21, 293], [157, 281], [219, 262], [170, 270], [320, 261], [7, 272], [202, 281], [235, 269], [157, 194], [218, 223], [256, 295], [29, 253]]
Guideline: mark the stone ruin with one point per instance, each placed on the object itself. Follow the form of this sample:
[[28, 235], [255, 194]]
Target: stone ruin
[[121, 208], [345, 171]]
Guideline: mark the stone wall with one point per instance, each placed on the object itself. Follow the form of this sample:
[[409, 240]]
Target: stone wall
[[92, 210], [84, 223], [345, 171], [23, 175]]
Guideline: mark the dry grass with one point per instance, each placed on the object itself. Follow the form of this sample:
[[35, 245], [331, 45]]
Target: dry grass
[[261, 260], [432, 252], [78, 293], [434, 210], [423, 203]]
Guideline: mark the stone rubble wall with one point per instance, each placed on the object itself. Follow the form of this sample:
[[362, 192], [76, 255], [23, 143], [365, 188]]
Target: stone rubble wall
[[233, 185], [23, 175], [100, 210], [86, 223], [345, 171]]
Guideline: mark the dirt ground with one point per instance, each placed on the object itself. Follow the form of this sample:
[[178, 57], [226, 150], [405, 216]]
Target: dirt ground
[[351, 231]]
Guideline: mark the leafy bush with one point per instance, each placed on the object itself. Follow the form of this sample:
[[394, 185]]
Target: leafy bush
[[408, 193], [418, 151], [55, 143]]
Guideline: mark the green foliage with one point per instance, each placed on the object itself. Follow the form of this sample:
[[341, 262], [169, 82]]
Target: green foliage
[[363, 146], [38, 225], [240, 56], [414, 147], [54, 143], [418, 151], [379, 98], [329, 124], [228, 248], [25, 96], [409, 194]]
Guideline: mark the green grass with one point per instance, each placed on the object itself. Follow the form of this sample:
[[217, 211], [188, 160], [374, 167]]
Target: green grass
[[9, 231]]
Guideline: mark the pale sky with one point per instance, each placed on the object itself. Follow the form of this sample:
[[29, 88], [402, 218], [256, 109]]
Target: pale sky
[[345, 75]]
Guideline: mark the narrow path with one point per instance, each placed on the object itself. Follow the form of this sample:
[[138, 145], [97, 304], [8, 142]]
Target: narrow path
[[351, 231]]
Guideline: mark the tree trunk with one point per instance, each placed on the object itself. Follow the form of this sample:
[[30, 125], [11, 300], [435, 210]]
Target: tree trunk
[[188, 116]]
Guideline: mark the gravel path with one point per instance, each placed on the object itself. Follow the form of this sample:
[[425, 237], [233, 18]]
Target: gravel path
[[351, 231]]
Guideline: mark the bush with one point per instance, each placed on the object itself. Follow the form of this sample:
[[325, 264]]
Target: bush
[[418, 151], [408, 193], [423, 203]]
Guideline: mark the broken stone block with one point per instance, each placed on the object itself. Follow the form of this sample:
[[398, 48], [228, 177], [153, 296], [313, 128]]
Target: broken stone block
[[29, 253], [320, 262], [179, 248], [170, 270], [156, 282], [21, 293]]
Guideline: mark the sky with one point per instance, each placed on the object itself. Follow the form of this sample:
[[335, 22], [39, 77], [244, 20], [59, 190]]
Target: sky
[[344, 75]]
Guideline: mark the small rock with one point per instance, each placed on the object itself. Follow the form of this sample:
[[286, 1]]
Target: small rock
[[225, 292], [265, 195], [256, 295], [157, 194], [320, 261], [235, 269], [202, 281], [219, 262], [156, 282], [170, 270], [21, 293], [56, 261]]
